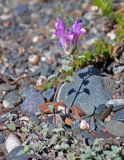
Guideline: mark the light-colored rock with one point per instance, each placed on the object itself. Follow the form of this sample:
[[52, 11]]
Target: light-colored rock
[[111, 35], [12, 142], [34, 59], [7, 104], [35, 39], [84, 125], [115, 102]]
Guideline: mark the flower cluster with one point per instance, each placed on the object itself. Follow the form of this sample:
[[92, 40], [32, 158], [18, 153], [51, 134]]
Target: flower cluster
[[69, 36]]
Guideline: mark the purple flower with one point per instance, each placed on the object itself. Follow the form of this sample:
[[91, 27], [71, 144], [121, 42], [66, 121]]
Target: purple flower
[[69, 36]]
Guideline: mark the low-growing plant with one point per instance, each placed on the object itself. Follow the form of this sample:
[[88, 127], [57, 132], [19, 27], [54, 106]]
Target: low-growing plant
[[73, 59], [105, 6], [119, 20], [62, 145]]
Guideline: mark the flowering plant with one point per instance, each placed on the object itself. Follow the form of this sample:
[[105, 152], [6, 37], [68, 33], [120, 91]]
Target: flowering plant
[[69, 36]]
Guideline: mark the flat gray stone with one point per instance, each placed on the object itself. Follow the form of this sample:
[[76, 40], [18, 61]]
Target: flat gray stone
[[7, 87], [116, 128], [119, 115], [49, 94], [32, 101], [115, 102], [101, 108], [117, 108], [13, 155], [93, 90], [11, 99]]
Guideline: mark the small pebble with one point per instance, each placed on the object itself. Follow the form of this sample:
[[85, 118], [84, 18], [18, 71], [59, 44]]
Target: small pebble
[[84, 125], [34, 59], [35, 39]]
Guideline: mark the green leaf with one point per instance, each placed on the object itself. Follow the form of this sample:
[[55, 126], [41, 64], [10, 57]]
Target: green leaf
[[44, 132], [64, 139], [71, 156], [64, 145], [57, 147], [97, 141], [109, 154], [53, 139], [57, 130], [11, 126], [69, 79], [60, 154], [115, 149], [66, 67], [39, 146]]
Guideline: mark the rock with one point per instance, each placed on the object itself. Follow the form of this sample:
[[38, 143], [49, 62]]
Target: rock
[[85, 104], [111, 35], [44, 68], [34, 59], [25, 91], [119, 115], [115, 102], [35, 120], [92, 124], [49, 94], [7, 104], [93, 90], [89, 139], [84, 125], [20, 9], [12, 142], [118, 107], [118, 69], [75, 128], [14, 154], [31, 103], [116, 128], [7, 87], [3, 118], [101, 108], [2, 138], [11, 99], [35, 39]]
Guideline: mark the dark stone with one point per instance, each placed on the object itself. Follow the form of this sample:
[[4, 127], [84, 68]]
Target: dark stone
[[21, 9], [3, 118], [7, 87], [101, 108], [118, 107], [2, 138], [119, 115], [31, 103], [49, 94], [88, 91], [13, 155], [44, 68]]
